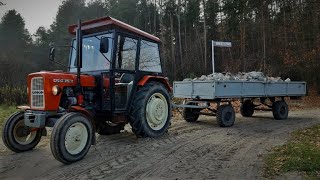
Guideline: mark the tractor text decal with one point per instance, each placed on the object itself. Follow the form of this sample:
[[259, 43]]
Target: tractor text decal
[[63, 80]]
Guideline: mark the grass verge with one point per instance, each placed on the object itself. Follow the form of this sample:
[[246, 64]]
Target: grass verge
[[5, 112], [301, 154]]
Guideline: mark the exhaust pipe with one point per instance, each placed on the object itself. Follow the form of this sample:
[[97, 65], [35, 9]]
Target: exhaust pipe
[[79, 56]]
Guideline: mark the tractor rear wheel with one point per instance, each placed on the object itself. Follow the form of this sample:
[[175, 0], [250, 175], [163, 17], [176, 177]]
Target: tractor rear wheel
[[150, 113], [18, 137], [105, 128], [71, 137]]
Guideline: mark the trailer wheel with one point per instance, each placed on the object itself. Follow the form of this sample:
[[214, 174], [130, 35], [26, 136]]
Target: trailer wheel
[[18, 137], [150, 113], [71, 137], [247, 108], [105, 128], [280, 110], [190, 114], [225, 115]]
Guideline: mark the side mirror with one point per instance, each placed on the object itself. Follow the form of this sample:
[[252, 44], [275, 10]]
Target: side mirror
[[104, 45], [52, 52]]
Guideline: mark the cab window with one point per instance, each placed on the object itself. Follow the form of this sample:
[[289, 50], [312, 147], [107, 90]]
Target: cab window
[[92, 58], [149, 57], [126, 53]]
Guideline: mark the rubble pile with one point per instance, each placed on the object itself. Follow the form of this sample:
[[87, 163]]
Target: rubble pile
[[241, 76]]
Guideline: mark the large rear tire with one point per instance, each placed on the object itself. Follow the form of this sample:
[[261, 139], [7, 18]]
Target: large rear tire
[[71, 138], [247, 108], [151, 111], [225, 116], [280, 110], [191, 114], [18, 137]]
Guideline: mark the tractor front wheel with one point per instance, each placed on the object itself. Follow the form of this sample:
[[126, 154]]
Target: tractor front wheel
[[71, 137], [18, 137], [151, 111]]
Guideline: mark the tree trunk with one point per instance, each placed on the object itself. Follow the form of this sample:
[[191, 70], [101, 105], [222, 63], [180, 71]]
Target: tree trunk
[[205, 37], [179, 33], [155, 17], [172, 48], [264, 35], [243, 43]]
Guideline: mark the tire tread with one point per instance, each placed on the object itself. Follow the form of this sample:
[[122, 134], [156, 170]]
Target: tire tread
[[137, 110]]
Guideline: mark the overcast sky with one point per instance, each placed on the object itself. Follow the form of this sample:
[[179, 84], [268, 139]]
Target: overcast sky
[[36, 13]]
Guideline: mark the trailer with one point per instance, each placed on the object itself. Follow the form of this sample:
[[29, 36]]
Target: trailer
[[254, 95]]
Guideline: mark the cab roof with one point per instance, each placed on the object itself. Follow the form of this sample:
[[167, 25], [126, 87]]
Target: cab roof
[[106, 23]]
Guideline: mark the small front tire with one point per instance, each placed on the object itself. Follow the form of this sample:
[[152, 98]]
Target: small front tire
[[71, 137], [18, 137]]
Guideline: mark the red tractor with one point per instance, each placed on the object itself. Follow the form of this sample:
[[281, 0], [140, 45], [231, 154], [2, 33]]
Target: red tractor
[[114, 77]]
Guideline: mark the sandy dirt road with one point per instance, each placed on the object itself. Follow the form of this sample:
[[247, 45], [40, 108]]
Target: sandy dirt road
[[200, 150]]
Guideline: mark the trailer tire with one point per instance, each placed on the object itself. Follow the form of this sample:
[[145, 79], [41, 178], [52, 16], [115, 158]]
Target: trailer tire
[[104, 128], [190, 114], [150, 112], [225, 116], [280, 110], [71, 137], [247, 108], [16, 136]]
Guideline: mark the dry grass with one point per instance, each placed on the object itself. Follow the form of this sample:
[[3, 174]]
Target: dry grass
[[301, 154]]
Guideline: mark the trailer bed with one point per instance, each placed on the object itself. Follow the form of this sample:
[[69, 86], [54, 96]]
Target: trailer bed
[[209, 90]]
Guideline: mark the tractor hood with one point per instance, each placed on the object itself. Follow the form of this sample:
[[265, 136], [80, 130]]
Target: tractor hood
[[40, 86]]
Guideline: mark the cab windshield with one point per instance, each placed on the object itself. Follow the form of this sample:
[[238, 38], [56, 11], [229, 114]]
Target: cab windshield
[[92, 58]]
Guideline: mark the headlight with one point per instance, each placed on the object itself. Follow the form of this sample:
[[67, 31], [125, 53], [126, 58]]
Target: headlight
[[56, 90]]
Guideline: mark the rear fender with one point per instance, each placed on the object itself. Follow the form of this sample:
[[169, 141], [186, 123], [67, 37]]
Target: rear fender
[[159, 79]]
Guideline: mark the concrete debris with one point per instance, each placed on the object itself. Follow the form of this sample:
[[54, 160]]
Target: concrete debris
[[241, 76], [288, 80]]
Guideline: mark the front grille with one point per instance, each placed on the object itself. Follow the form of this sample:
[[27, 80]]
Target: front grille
[[37, 93]]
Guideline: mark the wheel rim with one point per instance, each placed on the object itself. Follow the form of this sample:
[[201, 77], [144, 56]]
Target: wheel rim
[[157, 111], [76, 138], [22, 135]]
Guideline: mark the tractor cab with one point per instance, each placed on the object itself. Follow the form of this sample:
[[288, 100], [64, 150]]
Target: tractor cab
[[119, 56], [114, 77]]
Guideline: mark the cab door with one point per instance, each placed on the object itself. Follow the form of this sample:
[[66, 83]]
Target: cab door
[[124, 70]]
